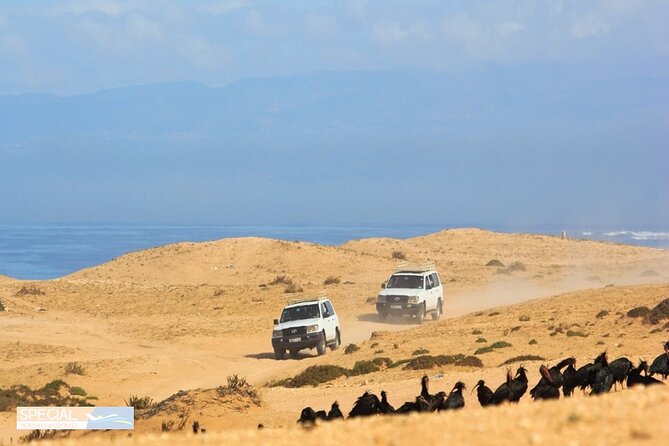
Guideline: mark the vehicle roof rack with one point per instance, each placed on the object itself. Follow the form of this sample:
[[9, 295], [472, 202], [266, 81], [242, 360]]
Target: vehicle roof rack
[[416, 267], [317, 297]]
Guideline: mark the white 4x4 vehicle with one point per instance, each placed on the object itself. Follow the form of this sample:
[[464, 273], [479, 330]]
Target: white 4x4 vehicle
[[306, 324], [414, 290]]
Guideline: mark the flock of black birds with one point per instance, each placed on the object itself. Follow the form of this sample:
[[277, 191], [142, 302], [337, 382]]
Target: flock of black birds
[[600, 376]]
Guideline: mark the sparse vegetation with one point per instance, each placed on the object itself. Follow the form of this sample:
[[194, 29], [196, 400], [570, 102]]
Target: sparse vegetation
[[237, 385], [481, 340], [292, 288], [383, 361], [331, 280], [492, 347], [494, 313], [516, 266], [524, 318], [495, 263], [2, 306], [313, 376], [40, 435], [428, 361], [602, 314], [522, 358], [477, 332], [399, 255], [55, 393], [420, 351], [74, 368], [638, 312], [363, 368], [31, 290], [139, 402], [533, 342], [576, 333], [351, 348], [166, 425], [281, 280]]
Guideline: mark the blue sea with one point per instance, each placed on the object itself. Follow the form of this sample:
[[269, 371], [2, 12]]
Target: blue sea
[[32, 251]]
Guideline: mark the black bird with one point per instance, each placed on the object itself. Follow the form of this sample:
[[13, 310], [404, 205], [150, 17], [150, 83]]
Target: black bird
[[660, 365], [568, 380], [420, 405], [518, 386], [385, 406], [620, 368], [367, 404], [483, 393], [438, 401], [556, 376], [424, 392], [604, 377], [321, 415], [501, 394], [635, 377], [307, 416], [585, 376], [455, 399], [335, 412], [547, 388]]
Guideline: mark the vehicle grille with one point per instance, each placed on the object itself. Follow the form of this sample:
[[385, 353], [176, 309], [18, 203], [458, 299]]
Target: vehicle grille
[[396, 299], [294, 331]]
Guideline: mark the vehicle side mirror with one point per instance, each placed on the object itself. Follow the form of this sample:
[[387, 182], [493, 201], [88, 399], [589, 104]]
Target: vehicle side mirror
[[276, 322], [383, 285]]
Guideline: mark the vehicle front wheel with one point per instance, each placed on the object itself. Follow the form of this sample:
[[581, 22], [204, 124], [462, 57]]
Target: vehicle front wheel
[[383, 315], [337, 341], [293, 354], [438, 311], [279, 353], [420, 315], [321, 347]]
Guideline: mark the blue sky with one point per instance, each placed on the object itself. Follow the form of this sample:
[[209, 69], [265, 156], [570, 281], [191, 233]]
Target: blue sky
[[329, 112]]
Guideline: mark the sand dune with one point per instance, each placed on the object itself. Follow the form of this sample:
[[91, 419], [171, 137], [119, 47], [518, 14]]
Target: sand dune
[[186, 316]]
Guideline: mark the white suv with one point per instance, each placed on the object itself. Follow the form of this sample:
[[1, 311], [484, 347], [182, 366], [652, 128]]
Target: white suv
[[414, 290], [306, 324]]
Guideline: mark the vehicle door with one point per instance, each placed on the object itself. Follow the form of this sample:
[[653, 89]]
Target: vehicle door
[[439, 288], [328, 320], [431, 290]]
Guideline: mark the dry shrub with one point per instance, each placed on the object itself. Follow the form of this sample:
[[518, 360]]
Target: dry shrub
[[351, 348], [314, 375], [496, 263], [429, 361], [399, 255], [31, 290], [237, 385], [638, 312], [522, 358], [331, 280]]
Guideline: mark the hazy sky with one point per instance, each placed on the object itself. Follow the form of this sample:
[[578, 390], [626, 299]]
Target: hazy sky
[[526, 149], [73, 46]]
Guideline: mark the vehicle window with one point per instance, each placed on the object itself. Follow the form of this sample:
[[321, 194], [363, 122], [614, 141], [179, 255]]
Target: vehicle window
[[435, 278], [298, 313], [405, 281], [429, 283], [325, 311], [329, 307]]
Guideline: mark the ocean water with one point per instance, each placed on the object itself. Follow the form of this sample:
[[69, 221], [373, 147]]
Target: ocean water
[[31, 251]]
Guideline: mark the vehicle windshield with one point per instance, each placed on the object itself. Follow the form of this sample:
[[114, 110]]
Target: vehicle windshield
[[405, 281], [302, 312]]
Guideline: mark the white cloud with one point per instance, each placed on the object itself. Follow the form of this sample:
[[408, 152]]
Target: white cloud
[[588, 26], [505, 29]]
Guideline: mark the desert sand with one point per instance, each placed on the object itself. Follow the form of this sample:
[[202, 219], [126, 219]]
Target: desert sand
[[186, 316]]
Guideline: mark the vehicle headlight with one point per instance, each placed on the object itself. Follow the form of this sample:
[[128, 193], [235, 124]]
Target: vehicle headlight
[[276, 333], [312, 328], [412, 299], [381, 299]]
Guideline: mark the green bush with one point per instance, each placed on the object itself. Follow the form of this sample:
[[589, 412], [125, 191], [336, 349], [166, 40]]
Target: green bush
[[363, 368], [500, 344], [74, 368], [532, 341], [522, 358], [420, 351], [382, 361], [476, 331], [481, 340], [574, 333], [331, 281], [351, 348], [428, 361], [77, 391], [315, 375]]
